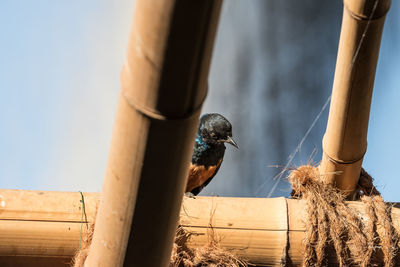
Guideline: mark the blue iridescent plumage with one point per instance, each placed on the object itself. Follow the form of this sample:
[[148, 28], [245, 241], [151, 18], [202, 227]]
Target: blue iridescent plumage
[[209, 149]]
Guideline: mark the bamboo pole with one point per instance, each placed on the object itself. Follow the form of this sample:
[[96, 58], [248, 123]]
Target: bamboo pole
[[43, 228], [265, 231], [163, 87], [345, 140]]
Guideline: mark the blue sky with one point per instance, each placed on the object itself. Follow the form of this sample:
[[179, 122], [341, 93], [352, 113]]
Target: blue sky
[[59, 80]]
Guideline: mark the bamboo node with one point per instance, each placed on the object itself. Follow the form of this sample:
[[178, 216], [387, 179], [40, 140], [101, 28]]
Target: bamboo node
[[85, 238]]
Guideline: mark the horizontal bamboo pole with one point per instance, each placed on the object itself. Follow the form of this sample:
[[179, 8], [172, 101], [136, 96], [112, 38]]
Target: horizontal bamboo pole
[[262, 230], [43, 228], [345, 139]]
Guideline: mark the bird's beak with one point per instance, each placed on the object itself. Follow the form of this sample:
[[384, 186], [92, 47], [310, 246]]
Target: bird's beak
[[232, 142]]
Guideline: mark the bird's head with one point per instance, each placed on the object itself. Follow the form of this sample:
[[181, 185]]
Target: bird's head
[[216, 129]]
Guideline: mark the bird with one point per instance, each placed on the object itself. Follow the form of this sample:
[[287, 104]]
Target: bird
[[208, 152]]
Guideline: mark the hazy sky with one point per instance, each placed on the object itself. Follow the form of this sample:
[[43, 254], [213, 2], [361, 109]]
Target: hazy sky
[[60, 63]]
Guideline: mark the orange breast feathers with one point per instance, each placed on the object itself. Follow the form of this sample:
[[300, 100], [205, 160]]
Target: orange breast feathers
[[198, 175]]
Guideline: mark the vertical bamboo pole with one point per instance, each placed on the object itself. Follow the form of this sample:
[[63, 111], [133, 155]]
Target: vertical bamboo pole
[[163, 87], [345, 140]]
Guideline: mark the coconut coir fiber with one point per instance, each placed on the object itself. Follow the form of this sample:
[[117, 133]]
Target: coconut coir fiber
[[211, 254], [331, 226]]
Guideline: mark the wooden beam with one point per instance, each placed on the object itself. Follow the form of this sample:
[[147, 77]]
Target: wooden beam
[[43, 228], [164, 84], [345, 140]]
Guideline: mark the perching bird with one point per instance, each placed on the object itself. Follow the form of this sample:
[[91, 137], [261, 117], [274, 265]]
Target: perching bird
[[214, 131]]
